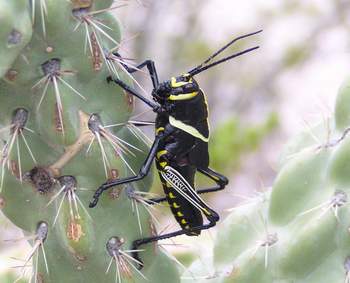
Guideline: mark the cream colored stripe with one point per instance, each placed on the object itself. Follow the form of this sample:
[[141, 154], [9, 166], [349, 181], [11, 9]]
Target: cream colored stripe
[[187, 128]]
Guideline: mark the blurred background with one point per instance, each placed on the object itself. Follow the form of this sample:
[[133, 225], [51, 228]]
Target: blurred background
[[257, 102]]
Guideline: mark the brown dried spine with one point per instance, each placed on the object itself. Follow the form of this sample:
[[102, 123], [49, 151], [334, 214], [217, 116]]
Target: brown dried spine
[[96, 53]]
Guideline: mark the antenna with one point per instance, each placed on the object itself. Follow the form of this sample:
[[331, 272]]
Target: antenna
[[200, 68]]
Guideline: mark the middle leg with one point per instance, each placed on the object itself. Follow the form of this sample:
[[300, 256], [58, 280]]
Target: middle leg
[[142, 173]]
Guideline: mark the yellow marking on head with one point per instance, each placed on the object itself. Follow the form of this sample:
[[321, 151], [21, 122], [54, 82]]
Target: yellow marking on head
[[171, 195], [160, 153], [168, 185], [175, 205], [180, 214], [184, 96], [187, 128], [159, 130], [183, 221]]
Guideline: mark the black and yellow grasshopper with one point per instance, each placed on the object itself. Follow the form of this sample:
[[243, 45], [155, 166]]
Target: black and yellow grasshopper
[[180, 147]]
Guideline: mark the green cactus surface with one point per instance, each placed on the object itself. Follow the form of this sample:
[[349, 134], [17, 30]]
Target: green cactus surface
[[298, 231], [64, 131]]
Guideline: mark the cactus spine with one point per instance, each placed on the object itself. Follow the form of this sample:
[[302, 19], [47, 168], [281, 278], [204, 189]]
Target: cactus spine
[[58, 145], [299, 231]]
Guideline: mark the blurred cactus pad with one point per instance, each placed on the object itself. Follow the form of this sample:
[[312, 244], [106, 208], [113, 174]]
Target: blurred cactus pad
[[64, 130], [299, 231]]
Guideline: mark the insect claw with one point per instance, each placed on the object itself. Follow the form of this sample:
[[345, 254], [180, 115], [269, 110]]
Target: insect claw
[[109, 79], [94, 201]]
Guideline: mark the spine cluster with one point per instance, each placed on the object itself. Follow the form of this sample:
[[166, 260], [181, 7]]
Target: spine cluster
[[64, 131]]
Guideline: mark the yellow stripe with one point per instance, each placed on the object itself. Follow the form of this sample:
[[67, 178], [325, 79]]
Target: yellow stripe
[[183, 96], [160, 153], [159, 129], [206, 104], [180, 214], [183, 221], [163, 164], [171, 195], [187, 128], [175, 205]]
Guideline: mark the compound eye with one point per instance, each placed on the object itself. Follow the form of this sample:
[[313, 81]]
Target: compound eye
[[180, 79], [185, 77], [162, 91]]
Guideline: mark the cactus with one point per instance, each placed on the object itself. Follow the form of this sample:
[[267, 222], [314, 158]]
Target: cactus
[[298, 231], [58, 145]]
